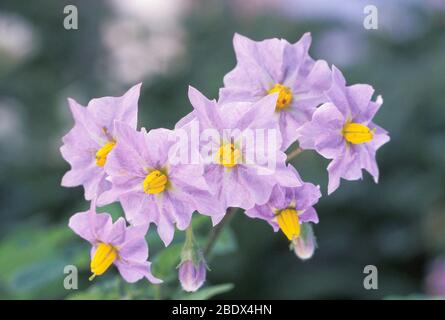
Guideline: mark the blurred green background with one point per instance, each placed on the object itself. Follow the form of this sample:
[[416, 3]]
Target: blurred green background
[[397, 225]]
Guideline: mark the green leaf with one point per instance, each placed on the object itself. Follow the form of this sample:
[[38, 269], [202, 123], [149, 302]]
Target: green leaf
[[25, 246], [206, 293], [32, 259], [108, 290]]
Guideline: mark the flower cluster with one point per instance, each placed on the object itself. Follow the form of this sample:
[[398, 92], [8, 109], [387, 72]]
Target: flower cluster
[[226, 153]]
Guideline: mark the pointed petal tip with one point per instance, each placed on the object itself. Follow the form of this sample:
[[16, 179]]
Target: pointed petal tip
[[237, 37], [65, 182], [136, 87], [74, 106], [151, 278], [332, 185], [239, 41], [307, 37], [194, 93], [70, 100], [379, 99]]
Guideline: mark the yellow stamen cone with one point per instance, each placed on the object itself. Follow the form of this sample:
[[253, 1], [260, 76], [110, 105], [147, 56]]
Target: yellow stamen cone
[[284, 95], [102, 153], [228, 155], [155, 182], [103, 258], [357, 133], [289, 223]]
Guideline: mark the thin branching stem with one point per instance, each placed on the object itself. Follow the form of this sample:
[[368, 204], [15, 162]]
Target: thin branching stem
[[215, 233], [293, 154]]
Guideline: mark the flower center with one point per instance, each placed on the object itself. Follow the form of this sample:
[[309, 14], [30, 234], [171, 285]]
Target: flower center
[[357, 133], [102, 153], [104, 257], [289, 223], [155, 182], [284, 96], [228, 155]]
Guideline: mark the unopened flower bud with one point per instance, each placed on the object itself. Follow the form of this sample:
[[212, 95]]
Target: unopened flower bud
[[304, 245], [192, 275], [192, 269]]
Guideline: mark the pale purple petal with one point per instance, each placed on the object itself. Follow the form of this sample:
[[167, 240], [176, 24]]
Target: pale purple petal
[[106, 110], [332, 146], [86, 123], [319, 77], [129, 155], [370, 111], [140, 208], [260, 115], [257, 187], [346, 167], [204, 109], [326, 122], [309, 215], [166, 230], [133, 271], [337, 93], [116, 234], [307, 195], [89, 225], [135, 246], [287, 176], [359, 97]]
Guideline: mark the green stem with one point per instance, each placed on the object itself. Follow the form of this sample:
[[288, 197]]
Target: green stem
[[157, 293], [293, 154], [189, 235], [216, 231], [188, 250]]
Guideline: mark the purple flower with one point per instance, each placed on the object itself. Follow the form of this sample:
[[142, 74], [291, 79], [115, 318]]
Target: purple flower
[[237, 175], [191, 275], [287, 208], [342, 130], [149, 187], [114, 243], [276, 66], [87, 146]]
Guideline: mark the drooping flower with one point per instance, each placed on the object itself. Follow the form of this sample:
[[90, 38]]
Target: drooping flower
[[243, 168], [288, 209], [191, 275], [114, 243], [149, 187], [305, 244], [193, 267], [88, 144], [342, 130], [276, 66]]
